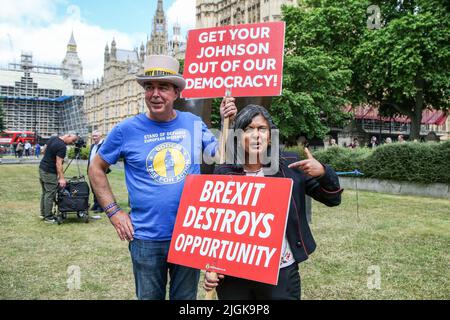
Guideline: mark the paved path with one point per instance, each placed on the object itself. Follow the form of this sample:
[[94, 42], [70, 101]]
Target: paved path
[[23, 161], [4, 161]]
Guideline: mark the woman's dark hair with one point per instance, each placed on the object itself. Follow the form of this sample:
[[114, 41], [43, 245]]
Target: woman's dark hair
[[244, 119]]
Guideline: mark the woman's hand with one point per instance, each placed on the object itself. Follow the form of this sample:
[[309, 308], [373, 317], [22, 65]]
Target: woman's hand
[[212, 280], [310, 166], [228, 108]]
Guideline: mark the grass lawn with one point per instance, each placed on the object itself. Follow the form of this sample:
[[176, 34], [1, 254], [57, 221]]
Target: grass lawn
[[406, 238]]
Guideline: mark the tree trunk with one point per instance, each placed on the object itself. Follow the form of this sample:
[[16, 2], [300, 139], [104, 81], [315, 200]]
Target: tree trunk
[[416, 122], [416, 119]]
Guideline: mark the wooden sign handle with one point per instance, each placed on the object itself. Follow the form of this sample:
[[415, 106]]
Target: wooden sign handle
[[226, 127], [223, 142], [211, 295]]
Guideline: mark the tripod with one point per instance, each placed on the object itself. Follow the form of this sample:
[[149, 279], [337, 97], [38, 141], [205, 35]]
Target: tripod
[[76, 158]]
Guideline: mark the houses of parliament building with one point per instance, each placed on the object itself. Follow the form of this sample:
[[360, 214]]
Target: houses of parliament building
[[213, 13], [118, 96]]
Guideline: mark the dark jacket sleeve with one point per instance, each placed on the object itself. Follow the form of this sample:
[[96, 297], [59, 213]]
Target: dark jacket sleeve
[[225, 169], [108, 171], [325, 189], [219, 170]]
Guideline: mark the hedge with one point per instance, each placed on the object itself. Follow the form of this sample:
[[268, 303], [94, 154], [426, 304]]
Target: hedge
[[343, 159], [413, 162], [84, 153]]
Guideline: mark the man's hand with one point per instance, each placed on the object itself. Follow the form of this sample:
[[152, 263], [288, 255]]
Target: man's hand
[[310, 166], [211, 282], [62, 183], [60, 172], [228, 108], [122, 222]]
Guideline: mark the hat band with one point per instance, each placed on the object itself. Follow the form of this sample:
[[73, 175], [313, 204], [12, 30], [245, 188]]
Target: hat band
[[159, 72]]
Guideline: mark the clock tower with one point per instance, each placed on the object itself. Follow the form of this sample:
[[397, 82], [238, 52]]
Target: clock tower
[[158, 43], [72, 67]]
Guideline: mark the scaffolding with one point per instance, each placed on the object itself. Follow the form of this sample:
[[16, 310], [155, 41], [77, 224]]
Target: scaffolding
[[38, 98], [73, 116]]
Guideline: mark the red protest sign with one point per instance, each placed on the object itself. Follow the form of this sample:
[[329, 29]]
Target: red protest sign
[[246, 58], [232, 225]]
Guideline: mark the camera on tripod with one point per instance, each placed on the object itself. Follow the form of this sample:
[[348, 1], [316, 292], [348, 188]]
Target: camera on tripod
[[79, 144]]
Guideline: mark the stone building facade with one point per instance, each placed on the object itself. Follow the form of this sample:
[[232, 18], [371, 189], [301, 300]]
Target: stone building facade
[[213, 13], [117, 95]]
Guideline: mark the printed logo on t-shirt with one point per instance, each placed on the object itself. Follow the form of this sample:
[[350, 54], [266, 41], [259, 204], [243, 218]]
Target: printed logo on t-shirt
[[168, 163]]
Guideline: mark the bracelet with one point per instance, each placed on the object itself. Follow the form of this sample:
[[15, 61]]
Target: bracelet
[[109, 207], [110, 215]]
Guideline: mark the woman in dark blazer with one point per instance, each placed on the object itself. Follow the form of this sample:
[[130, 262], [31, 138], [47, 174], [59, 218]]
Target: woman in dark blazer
[[310, 177]]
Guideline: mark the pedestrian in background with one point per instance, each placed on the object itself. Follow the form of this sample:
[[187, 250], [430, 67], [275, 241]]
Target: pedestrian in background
[[333, 142], [373, 143], [27, 148], [19, 150], [97, 142], [37, 150]]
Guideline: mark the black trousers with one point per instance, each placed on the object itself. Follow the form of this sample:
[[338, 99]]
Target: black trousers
[[95, 205], [288, 287]]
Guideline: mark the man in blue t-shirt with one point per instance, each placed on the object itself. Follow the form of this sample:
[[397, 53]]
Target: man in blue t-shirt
[[160, 148]]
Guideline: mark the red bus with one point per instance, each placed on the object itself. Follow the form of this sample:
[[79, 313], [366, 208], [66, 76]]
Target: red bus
[[14, 137]]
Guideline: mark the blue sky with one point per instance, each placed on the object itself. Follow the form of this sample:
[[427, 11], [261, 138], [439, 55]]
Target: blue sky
[[44, 27], [127, 16]]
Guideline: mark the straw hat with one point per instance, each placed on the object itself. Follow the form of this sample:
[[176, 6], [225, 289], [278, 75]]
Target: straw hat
[[162, 68]]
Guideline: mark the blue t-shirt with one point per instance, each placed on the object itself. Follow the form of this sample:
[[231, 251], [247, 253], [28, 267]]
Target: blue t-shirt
[[158, 156]]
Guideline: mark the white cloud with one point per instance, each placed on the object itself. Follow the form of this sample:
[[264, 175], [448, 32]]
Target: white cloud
[[47, 35], [28, 11], [183, 13]]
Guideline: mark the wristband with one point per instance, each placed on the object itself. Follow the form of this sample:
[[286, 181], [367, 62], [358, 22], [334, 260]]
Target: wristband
[[109, 207], [110, 215]]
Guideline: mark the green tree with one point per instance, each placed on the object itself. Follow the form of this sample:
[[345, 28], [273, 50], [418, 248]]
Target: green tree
[[403, 67], [320, 37], [333, 57]]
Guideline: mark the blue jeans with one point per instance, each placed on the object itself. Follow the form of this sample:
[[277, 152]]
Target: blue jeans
[[150, 268]]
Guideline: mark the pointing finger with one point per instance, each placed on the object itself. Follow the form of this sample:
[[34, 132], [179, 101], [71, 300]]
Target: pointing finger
[[299, 164], [308, 154]]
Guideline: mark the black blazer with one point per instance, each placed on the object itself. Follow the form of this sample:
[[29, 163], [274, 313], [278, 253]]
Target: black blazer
[[325, 190], [89, 157]]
